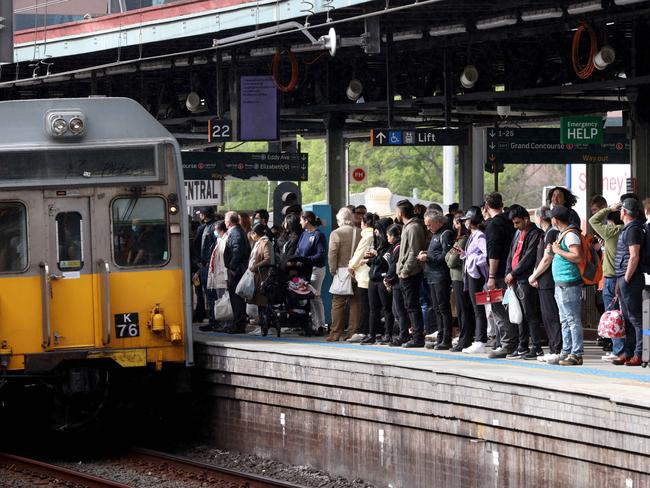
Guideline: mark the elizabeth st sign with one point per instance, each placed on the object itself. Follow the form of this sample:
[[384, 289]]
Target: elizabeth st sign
[[244, 165], [543, 146]]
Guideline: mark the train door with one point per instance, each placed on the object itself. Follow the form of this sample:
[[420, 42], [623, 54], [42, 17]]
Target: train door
[[72, 321]]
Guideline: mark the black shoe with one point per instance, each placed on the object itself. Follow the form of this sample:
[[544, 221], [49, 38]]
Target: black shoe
[[413, 344], [368, 340], [396, 343], [458, 348], [235, 330], [385, 340], [533, 354], [518, 354], [443, 347], [207, 328]]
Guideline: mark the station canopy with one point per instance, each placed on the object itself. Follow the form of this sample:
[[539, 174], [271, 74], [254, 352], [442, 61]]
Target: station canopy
[[430, 63]]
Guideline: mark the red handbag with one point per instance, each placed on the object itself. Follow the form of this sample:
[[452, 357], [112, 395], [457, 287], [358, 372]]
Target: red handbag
[[488, 297], [612, 324]]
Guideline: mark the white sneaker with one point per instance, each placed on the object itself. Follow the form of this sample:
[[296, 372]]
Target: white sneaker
[[476, 348], [431, 337], [553, 359], [544, 358], [356, 338], [256, 332], [454, 342], [609, 357]]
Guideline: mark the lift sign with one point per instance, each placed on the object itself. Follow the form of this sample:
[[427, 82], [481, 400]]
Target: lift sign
[[127, 325], [581, 130]]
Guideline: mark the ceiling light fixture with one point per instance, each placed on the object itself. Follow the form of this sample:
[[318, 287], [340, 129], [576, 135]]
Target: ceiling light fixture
[[496, 22], [545, 14], [405, 36], [627, 2], [584, 7], [447, 30]]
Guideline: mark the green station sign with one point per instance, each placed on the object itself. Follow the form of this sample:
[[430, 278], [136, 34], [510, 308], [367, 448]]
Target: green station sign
[[581, 130]]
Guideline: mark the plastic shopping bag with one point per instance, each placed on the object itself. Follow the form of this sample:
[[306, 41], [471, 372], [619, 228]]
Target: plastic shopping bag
[[246, 286], [223, 309], [515, 313]]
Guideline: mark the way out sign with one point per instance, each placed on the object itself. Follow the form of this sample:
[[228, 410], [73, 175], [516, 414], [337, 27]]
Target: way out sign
[[358, 174], [581, 130], [203, 192]]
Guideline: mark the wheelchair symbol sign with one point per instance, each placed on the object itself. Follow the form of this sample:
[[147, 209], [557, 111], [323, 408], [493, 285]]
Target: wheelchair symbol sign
[[395, 137]]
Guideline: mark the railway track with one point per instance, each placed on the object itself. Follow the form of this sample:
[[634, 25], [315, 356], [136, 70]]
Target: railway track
[[31, 472], [21, 471], [191, 470]]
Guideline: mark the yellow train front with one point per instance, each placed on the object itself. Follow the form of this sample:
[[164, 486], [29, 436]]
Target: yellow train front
[[93, 244]]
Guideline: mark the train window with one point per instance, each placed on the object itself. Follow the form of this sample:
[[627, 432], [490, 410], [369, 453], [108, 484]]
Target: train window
[[140, 236], [13, 237], [69, 239]]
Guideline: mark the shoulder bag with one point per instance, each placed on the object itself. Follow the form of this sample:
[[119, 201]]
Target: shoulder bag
[[342, 281]]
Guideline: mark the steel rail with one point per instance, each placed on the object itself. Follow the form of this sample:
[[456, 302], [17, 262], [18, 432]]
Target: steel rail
[[34, 467], [206, 469]]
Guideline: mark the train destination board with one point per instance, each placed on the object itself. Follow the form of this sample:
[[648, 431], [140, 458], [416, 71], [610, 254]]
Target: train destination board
[[419, 137], [245, 165], [543, 146]]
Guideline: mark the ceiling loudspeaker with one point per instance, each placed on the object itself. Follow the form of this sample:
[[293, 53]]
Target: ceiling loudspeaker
[[469, 76], [354, 90], [604, 57], [193, 102], [330, 42]]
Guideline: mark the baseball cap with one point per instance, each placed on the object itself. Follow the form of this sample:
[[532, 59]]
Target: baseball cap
[[631, 205], [561, 213]]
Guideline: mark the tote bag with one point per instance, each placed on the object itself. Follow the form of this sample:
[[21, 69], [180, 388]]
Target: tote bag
[[342, 280]]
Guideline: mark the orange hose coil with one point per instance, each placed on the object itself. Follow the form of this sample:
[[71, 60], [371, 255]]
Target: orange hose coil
[[291, 86], [584, 71]]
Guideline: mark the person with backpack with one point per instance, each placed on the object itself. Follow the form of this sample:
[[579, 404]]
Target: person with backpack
[[437, 274], [630, 281], [567, 255], [607, 225]]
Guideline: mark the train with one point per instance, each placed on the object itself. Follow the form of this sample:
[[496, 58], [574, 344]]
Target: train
[[94, 246]]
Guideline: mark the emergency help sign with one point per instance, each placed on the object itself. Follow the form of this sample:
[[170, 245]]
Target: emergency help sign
[[581, 130], [203, 192]]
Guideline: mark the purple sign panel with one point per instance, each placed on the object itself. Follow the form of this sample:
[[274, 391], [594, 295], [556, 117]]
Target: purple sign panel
[[258, 112]]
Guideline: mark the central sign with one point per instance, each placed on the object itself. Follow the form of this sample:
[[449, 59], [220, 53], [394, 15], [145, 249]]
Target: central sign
[[245, 165], [203, 192], [419, 137], [581, 130], [543, 146]]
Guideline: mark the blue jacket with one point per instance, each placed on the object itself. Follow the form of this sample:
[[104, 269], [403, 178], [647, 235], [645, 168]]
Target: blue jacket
[[312, 245]]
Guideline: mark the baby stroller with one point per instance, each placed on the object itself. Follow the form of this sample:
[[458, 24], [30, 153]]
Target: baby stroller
[[289, 296]]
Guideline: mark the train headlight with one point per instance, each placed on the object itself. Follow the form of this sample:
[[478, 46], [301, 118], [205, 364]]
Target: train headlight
[[77, 126], [59, 126], [65, 124]]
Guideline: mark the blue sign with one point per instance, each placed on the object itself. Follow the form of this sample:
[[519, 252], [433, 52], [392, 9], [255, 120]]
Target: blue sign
[[395, 137], [419, 137]]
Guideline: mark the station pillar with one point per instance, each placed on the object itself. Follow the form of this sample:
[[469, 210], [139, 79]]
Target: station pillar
[[593, 186], [641, 142], [336, 162], [471, 161]]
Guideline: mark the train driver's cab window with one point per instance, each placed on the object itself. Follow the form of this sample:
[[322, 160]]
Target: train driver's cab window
[[13, 237], [69, 239], [140, 231]]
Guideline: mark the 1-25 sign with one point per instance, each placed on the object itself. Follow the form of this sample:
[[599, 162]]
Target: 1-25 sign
[[219, 130]]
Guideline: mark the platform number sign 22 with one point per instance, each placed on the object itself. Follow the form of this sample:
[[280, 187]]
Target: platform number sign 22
[[127, 325], [219, 130]]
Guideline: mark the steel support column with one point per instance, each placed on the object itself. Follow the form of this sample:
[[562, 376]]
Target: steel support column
[[594, 185], [336, 164], [641, 143], [471, 161]]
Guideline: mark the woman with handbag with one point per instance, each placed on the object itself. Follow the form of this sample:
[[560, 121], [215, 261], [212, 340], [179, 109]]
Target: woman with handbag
[[217, 273], [476, 272], [359, 270], [463, 301], [380, 300], [262, 256]]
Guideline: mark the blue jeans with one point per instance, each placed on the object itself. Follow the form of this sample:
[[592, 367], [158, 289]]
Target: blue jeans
[[569, 303], [609, 291]]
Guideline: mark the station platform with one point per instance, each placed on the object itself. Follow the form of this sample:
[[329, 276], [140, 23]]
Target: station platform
[[413, 417]]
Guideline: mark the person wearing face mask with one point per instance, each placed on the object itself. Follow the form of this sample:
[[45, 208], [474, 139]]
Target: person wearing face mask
[[203, 243], [476, 273], [261, 216], [217, 281]]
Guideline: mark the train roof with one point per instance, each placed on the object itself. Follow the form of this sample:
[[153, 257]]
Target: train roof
[[120, 119]]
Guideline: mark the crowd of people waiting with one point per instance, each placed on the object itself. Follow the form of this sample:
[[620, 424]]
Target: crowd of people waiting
[[409, 272]]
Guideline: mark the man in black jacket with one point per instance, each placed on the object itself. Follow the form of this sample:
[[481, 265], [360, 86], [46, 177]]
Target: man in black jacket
[[521, 264], [235, 258], [437, 274], [499, 232], [203, 244]]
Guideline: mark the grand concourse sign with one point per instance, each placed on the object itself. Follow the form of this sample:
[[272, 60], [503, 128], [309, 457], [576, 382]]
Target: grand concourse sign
[[543, 146]]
